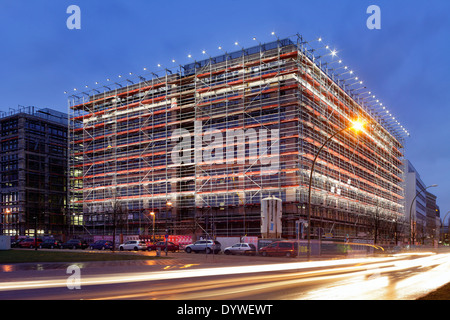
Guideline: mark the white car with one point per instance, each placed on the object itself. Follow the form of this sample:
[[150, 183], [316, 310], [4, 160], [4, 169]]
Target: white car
[[241, 248], [135, 245]]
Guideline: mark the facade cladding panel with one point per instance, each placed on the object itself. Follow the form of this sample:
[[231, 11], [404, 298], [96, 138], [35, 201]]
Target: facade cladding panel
[[202, 146]]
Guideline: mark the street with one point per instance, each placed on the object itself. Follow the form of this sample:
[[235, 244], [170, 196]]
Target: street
[[199, 277]]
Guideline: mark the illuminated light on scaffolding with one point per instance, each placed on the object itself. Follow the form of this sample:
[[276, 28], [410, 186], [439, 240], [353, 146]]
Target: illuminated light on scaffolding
[[319, 39]]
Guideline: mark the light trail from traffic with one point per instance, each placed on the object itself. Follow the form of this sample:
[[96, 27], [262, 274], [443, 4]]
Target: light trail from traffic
[[202, 272], [403, 276]]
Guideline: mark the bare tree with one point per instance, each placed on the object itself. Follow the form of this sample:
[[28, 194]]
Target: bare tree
[[117, 218]]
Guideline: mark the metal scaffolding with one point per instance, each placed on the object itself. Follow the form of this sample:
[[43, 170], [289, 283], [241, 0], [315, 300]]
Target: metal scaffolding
[[203, 144]]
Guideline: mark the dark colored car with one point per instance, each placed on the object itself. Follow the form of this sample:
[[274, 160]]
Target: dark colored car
[[280, 248], [101, 245], [30, 243], [74, 244], [50, 244], [16, 243], [162, 246]]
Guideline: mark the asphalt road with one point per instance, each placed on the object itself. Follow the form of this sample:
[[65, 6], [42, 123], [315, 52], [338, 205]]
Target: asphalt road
[[202, 277]]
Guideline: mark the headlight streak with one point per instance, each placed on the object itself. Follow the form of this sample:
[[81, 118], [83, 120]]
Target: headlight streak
[[361, 278], [410, 288], [427, 281], [172, 274], [352, 289]]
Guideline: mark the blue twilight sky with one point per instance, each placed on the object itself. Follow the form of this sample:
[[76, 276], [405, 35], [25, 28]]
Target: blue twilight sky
[[405, 63]]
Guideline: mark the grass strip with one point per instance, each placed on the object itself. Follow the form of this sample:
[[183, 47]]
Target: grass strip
[[26, 256]]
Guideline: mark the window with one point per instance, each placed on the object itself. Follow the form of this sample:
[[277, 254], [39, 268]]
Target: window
[[9, 127], [9, 145]]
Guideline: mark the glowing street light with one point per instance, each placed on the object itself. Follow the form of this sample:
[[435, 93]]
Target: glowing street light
[[356, 125], [153, 225]]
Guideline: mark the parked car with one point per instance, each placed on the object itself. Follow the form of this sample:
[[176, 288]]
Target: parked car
[[16, 243], [74, 244], [30, 243], [162, 246], [50, 244], [241, 248], [208, 246], [101, 245], [135, 245], [280, 248]]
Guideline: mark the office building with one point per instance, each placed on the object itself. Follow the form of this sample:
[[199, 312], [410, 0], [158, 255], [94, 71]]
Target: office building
[[33, 172], [417, 201]]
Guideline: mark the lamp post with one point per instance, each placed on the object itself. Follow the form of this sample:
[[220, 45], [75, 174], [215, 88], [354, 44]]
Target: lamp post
[[445, 217], [357, 125], [153, 226], [443, 225], [166, 236], [7, 221], [410, 213], [35, 231]]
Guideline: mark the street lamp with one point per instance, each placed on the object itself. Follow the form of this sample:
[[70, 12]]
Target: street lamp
[[445, 217], [153, 225], [410, 213], [166, 235], [357, 125], [443, 225], [6, 222], [35, 231]]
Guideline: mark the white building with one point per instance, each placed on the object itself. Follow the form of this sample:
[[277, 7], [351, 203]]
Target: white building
[[415, 203]]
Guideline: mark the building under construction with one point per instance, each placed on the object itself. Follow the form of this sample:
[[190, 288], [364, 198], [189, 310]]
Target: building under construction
[[200, 146]]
